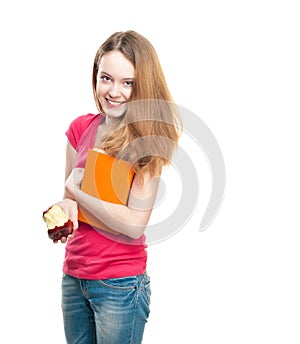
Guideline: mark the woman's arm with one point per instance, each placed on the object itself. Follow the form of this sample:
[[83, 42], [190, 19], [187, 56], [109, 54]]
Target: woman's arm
[[70, 157], [68, 204], [129, 220]]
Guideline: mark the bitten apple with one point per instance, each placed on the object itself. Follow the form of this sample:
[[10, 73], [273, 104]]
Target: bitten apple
[[58, 224]]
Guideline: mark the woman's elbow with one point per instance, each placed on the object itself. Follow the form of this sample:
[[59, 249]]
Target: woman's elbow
[[136, 228], [135, 232]]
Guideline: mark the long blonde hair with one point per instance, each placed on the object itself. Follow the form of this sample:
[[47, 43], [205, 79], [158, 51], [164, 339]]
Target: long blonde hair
[[149, 131]]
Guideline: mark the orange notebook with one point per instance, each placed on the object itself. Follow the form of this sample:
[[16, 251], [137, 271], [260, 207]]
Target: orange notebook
[[107, 178]]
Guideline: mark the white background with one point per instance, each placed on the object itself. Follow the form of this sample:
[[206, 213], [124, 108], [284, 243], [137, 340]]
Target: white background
[[235, 64]]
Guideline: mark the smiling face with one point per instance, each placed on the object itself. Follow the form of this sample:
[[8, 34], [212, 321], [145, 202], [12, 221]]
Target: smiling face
[[114, 82]]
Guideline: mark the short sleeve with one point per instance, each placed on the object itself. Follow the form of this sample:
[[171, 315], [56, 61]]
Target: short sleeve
[[77, 128]]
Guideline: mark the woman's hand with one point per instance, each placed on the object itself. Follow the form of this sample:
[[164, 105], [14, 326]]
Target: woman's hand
[[70, 208], [73, 182]]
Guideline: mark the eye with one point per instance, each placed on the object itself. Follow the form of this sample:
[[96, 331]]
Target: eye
[[105, 78], [128, 83]]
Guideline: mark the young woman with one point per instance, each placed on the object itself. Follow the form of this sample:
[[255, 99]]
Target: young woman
[[105, 287]]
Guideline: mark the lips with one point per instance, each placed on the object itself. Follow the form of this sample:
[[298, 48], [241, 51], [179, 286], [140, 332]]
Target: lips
[[113, 103]]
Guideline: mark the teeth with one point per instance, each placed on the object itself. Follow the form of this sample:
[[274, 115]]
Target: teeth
[[113, 103]]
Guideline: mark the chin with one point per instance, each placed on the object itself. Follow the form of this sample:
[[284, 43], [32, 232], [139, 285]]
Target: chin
[[116, 112]]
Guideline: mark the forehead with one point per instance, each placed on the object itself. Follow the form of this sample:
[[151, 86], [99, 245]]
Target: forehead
[[116, 64]]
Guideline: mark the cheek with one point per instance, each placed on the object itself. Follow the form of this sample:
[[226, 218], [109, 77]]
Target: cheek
[[101, 90], [127, 93]]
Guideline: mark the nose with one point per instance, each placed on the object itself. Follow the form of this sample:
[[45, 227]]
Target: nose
[[114, 90]]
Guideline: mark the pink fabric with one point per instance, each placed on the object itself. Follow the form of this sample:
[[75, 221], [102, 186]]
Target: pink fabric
[[81, 135], [92, 253], [78, 126]]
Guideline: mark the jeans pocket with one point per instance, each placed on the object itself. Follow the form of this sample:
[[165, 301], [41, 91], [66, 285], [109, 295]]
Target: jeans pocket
[[122, 283], [146, 286]]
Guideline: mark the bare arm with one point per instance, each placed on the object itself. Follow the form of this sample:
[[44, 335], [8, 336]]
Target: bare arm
[[70, 157], [68, 203], [69, 200], [129, 220]]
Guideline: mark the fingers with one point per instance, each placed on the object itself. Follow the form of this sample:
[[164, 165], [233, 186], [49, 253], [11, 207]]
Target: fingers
[[63, 240]]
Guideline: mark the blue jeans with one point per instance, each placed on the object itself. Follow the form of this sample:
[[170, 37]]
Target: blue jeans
[[109, 311]]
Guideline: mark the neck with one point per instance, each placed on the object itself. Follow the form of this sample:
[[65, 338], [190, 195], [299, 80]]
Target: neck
[[109, 120], [107, 123]]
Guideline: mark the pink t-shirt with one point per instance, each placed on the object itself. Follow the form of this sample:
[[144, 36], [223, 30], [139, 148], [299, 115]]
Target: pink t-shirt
[[95, 254]]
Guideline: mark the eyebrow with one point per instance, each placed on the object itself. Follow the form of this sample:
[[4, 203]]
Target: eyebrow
[[107, 74]]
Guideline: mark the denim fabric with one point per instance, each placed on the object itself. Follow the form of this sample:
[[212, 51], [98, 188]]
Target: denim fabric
[[109, 311]]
